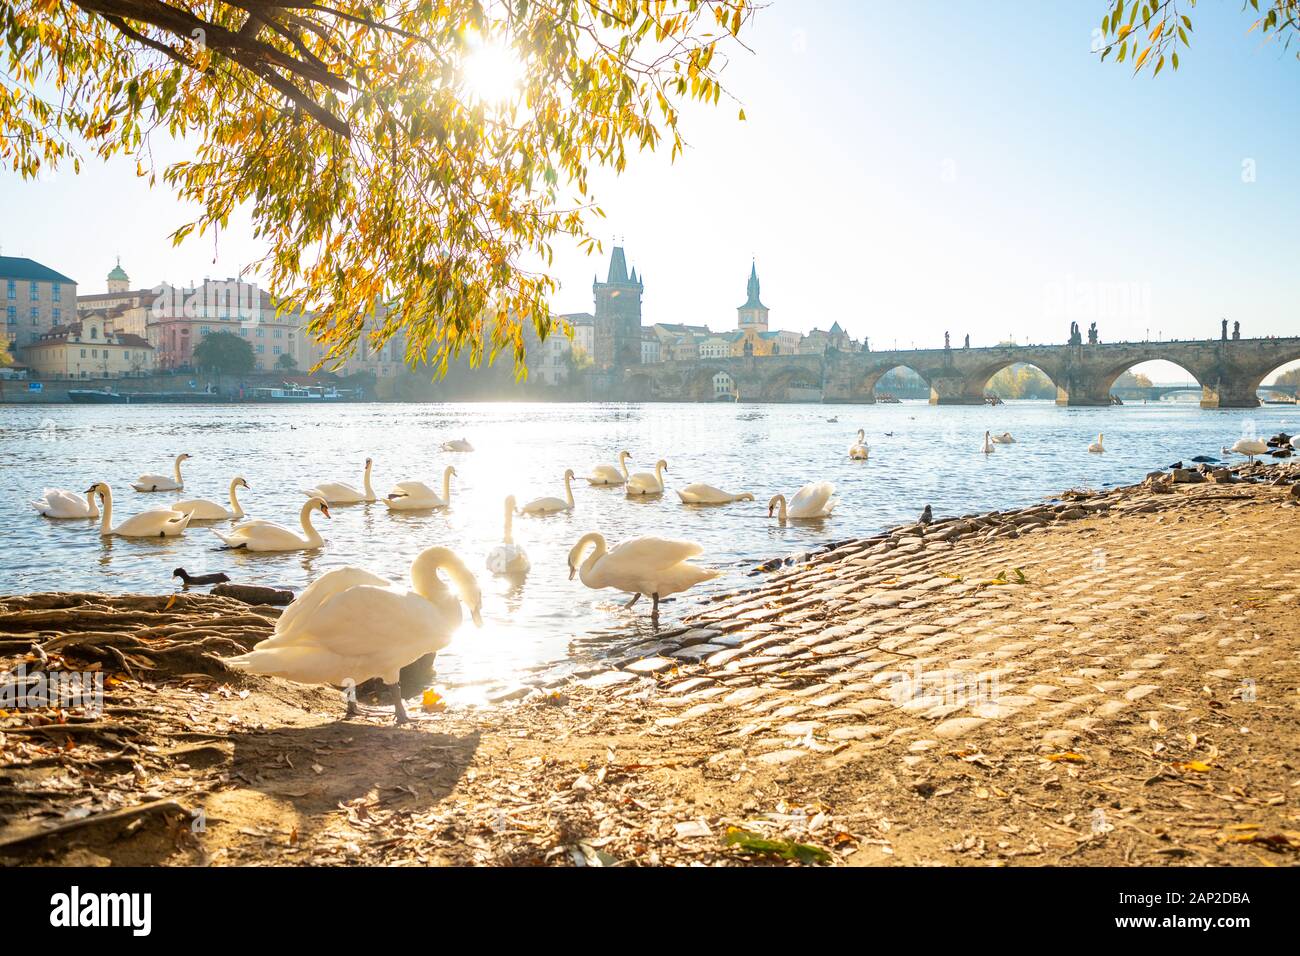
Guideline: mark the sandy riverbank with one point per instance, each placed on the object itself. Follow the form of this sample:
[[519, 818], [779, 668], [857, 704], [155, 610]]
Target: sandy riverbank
[[1110, 678]]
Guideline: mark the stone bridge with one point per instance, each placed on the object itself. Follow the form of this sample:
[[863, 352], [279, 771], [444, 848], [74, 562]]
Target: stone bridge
[[1229, 372]]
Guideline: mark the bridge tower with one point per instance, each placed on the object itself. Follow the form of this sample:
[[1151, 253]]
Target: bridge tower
[[617, 328]]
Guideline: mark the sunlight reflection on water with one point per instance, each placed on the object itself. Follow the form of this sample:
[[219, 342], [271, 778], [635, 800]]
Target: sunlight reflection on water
[[919, 454]]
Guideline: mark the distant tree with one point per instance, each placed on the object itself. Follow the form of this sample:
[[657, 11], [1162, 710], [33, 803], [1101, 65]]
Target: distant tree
[[286, 361], [1289, 377], [1021, 381], [1147, 32], [1131, 380], [224, 353]]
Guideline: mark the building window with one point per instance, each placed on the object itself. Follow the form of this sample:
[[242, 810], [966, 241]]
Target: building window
[[58, 314], [275, 349], [13, 289], [279, 333], [35, 290], [35, 313], [83, 353], [56, 292], [94, 331], [11, 316], [261, 333], [261, 349]]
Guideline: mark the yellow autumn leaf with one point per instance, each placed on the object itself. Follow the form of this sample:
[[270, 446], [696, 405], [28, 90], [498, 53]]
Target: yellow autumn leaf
[[1194, 765], [432, 701], [1069, 756]]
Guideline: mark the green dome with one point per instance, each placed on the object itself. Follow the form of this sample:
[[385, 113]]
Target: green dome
[[119, 273]]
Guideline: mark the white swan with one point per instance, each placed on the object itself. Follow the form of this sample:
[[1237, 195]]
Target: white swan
[[610, 475], [547, 506], [987, 447], [417, 496], [708, 495], [1004, 439], [507, 557], [338, 493], [200, 509], [645, 483], [1097, 447], [154, 523], [58, 503], [350, 626], [859, 451], [813, 500], [1250, 447], [651, 566], [265, 536], [150, 482], [457, 444]]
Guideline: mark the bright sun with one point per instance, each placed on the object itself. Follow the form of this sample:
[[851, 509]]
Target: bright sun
[[492, 72]]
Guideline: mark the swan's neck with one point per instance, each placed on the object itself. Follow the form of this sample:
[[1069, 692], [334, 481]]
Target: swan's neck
[[446, 485], [568, 489], [622, 463], [597, 552], [862, 436], [235, 509], [509, 538], [370, 492], [781, 512], [659, 471], [313, 536], [91, 504], [426, 583], [106, 525], [176, 470]]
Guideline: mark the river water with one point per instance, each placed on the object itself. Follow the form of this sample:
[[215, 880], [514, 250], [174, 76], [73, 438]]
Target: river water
[[919, 454]]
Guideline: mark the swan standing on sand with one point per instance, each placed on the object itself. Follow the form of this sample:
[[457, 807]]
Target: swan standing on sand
[[150, 482], [987, 447], [350, 626], [338, 493], [507, 557], [264, 536], [1250, 447], [645, 483], [1097, 447], [547, 506], [813, 500], [1004, 439], [859, 451], [650, 566], [58, 503], [708, 495], [417, 496], [154, 523], [608, 474], [200, 509]]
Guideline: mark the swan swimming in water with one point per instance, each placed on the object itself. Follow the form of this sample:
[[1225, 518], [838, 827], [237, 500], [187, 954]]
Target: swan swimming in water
[[859, 451], [338, 493], [655, 567], [58, 503], [1097, 447], [700, 494], [200, 509], [261, 535], [151, 482], [1004, 439], [813, 500], [508, 558], [351, 625], [154, 523], [987, 447], [647, 483], [417, 496], [457, 444], [608, 474], [552, 505]]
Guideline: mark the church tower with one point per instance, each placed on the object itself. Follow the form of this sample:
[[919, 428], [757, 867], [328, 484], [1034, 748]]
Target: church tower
[[753, 314], [617, 332], [118, 280]]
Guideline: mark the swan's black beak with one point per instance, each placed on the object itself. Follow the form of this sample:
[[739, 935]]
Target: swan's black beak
[[89, 490], [325, 510]]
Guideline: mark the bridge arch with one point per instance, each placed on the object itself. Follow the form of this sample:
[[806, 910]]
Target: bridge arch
[[982, 381], [864, 387], [792, 383], [1111, 373], [1279, 367]]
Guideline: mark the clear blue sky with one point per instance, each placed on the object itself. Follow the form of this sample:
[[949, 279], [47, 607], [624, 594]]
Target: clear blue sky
[[905, 170]]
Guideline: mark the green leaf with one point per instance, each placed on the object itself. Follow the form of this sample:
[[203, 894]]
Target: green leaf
[[785, 849]]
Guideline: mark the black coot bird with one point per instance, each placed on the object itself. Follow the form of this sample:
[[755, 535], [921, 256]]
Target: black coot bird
[[927, 515], [189, 580]]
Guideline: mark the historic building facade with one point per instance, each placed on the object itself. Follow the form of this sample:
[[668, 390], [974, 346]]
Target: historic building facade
[[89, 348], [34, 299]]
